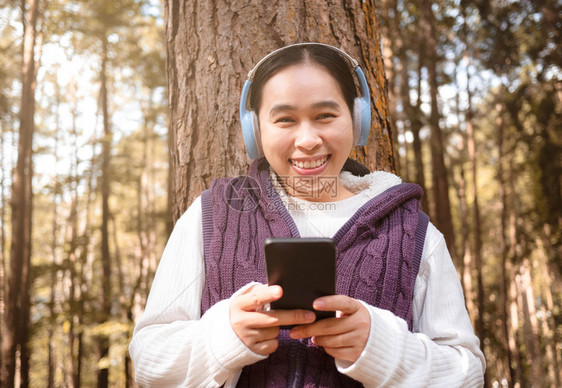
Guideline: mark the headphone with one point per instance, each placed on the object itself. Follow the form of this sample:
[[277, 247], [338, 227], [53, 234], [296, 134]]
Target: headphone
[[361, 105]]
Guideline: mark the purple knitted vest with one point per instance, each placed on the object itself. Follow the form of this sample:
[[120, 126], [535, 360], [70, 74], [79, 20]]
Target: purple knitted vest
[[379, 251]]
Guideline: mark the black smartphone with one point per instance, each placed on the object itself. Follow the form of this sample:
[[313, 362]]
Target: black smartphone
[[305, 268]]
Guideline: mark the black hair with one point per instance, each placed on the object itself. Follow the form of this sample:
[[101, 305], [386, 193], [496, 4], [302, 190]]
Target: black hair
[[321, 55]]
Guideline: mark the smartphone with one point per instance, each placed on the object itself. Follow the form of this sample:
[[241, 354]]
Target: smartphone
[[305, 268]]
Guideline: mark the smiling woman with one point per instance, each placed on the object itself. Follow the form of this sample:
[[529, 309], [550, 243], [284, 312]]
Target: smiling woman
[[305, 126], [399, 318]]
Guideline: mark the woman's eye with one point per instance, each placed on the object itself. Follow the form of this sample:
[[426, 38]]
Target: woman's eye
[[284, 120], [325, 116]]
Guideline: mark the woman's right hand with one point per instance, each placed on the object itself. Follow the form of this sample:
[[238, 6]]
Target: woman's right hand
[[259, 329]]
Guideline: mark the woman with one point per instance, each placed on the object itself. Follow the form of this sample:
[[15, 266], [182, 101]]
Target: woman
[[400, 320]]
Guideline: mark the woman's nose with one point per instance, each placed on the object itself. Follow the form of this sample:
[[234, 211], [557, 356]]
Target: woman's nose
[[307, 136]]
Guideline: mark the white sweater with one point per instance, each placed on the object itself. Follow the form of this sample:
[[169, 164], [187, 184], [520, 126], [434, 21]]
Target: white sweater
[[173, 345]]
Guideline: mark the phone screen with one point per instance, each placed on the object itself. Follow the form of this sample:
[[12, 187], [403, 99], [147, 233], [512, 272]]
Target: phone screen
[[305, 268]]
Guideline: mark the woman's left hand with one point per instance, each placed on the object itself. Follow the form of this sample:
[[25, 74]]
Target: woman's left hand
[[343, 337]]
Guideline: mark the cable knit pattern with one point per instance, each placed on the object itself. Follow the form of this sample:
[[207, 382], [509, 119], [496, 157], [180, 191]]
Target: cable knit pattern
[[376, 262]]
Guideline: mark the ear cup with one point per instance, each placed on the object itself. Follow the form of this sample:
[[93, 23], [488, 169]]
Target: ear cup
[[365, 108], [247, 122], [357, 107], [365, 122], [257, 133]]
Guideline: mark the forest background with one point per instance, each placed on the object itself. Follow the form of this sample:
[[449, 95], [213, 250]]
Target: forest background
[[87, 182]]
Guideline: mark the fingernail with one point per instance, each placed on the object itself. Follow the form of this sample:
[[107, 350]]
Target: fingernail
[[277, 291], [309, 316], [318, 304]]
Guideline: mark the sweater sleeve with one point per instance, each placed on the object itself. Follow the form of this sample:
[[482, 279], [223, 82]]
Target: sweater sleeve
[[442, 350], [172, 344]]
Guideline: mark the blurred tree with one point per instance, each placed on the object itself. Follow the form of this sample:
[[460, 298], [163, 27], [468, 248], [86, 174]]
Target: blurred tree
[[472, 156], [391, 46], [15, 333], [409, 45], [440, 186], [106, 18], [10, 57], [506, 268]]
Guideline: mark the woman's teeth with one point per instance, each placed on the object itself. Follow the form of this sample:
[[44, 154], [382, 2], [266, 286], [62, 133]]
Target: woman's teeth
[[310, 163]]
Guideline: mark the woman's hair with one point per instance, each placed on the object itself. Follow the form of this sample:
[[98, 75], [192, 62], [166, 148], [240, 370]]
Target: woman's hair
[[321, 55]]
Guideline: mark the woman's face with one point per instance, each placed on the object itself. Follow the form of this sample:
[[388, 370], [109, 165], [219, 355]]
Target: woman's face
[[306, 131]]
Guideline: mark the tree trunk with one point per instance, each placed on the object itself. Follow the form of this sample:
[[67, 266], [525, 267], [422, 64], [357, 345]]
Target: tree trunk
[[417, 123], [530, 324], [480, 328], [411, 112], [26, 287], [515, 305], [548, 322], [170, 139], [125, 307], [515, 338], [506, 265], [390, 47], [74, 316], [83, 259], [440, 187], [15, 330], [72, 240], [105, 313], [2, 240], [212, 45], [467, 265], [402, 94], [54, 243]]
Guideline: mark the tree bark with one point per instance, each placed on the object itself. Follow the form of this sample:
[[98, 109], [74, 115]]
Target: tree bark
[[15, 326], [212, 45]]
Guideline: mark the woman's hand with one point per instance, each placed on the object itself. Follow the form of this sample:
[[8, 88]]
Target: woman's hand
[[343, 337], [259, 329]]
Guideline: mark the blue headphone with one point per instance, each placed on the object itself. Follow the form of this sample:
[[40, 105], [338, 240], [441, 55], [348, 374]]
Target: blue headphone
[[361, 106]]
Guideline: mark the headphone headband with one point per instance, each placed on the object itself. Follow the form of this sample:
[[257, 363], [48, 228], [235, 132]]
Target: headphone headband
[[353, 62], [361, 106]]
